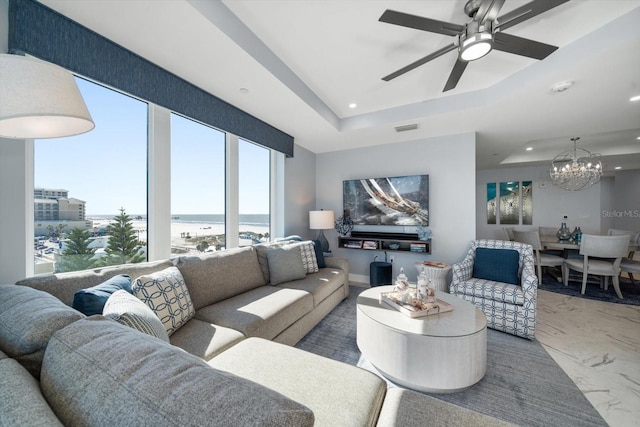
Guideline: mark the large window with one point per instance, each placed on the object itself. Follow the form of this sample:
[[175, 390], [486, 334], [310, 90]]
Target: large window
[[90, 198], [253, 193], [197, 187]]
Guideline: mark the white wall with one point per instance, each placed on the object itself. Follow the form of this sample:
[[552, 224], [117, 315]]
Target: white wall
[[300, 192], [450, 163], [584, 208]]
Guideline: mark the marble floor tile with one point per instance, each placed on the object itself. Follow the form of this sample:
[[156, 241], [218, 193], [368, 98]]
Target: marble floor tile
[[598, 345]]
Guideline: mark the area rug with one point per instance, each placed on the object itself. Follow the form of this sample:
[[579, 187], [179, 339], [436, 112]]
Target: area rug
[[523, 384], [630, 292]]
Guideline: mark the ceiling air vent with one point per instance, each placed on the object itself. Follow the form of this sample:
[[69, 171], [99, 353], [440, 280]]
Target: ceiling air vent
[[404, 128]]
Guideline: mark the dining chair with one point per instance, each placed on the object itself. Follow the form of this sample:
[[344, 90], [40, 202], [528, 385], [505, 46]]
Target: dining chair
[[628, 264], [593, 249], [508, 232], [540, 258]]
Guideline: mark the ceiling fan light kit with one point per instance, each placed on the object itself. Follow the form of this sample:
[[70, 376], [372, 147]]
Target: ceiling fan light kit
[[477, 37]]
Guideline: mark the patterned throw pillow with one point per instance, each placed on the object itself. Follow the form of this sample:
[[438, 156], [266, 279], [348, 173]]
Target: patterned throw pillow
[[167, 295], [309, 259], [128, 310]]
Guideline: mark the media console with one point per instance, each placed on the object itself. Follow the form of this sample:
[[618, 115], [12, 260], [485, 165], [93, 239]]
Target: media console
[[372, 241]]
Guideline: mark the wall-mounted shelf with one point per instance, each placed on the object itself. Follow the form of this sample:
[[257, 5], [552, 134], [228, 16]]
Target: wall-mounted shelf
[[397, 242]]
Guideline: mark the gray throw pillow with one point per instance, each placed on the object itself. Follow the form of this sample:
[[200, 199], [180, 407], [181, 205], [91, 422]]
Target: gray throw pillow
[[285, 264], [130, 311]]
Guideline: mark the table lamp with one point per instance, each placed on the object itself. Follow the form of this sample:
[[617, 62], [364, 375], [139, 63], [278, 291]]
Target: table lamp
[[321, 220]]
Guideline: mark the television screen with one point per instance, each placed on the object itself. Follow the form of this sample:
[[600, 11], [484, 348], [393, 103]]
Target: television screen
[[400, 200]]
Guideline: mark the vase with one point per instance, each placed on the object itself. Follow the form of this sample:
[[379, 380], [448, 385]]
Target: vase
[[563, 233]]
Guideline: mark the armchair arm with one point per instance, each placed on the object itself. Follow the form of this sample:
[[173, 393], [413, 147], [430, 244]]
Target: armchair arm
[[529, 279], [462, 271]]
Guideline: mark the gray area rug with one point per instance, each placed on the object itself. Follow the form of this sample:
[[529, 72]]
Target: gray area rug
[[523, 384]]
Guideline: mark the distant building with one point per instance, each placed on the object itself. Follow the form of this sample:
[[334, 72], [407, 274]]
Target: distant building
[[54, 208], [55, 204]]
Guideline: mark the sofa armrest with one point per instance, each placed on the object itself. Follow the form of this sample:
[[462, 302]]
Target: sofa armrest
[[342, 264]]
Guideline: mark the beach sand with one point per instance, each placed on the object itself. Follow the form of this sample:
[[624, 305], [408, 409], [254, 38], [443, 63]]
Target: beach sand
[[196, 231]]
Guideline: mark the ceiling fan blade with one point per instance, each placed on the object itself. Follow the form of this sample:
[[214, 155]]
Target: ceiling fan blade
[[420, 23], [455, 75], [521, 46], [527, 11], [420, 61], [488, 10]]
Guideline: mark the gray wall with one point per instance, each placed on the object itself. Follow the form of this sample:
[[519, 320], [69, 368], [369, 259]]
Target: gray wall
[[300, 192], [450, 163], [586, 208]]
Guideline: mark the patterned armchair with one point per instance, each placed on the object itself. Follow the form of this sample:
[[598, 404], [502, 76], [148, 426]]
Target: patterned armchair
[[508, 307]]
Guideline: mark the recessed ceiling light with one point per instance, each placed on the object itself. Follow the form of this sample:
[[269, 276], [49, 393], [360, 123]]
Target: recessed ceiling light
[[561, 86], [353, 105], [529, 148], [244, 90], [635, 98], [638, 138], [618, 167]]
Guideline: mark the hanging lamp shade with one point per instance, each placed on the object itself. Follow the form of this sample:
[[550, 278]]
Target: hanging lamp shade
[[39, 100]]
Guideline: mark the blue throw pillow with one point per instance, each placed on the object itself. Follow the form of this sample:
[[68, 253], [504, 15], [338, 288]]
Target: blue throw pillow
[[319, 254], [499, 265], [91, 301]]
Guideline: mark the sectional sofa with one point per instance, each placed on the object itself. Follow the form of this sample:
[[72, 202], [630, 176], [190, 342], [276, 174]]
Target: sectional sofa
[[221, 356]]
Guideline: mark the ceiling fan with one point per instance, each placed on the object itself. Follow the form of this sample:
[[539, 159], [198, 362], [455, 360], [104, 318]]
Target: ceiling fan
[[477, 37]]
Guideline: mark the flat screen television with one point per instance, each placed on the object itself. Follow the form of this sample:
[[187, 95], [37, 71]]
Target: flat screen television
[[398, 200]]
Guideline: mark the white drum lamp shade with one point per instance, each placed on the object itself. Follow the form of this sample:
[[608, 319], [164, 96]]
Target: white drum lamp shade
[[39, 100], [321, 220]]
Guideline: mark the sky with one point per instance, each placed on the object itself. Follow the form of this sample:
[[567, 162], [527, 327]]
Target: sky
[[107, 166]]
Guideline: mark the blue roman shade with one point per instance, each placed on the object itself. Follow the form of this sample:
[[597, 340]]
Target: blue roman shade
[[37, 30]]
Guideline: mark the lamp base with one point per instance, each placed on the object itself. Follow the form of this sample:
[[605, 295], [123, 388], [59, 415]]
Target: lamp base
[[324, 243]]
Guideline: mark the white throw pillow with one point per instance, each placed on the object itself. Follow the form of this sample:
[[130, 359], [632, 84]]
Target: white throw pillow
[[128, 310], [309, 259], [167, 295]]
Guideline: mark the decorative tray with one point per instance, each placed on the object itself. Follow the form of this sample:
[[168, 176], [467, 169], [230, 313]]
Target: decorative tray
[[416, 308], [434, 264]]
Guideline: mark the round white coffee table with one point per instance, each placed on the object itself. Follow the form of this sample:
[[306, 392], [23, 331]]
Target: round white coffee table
[[440, 353]]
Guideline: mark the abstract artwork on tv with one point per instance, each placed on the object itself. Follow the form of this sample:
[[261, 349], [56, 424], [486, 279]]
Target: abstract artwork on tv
[[400, 200]]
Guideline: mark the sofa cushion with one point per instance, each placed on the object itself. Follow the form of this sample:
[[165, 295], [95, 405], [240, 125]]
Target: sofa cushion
[[220, 275], [21, 401], [320, 285], [285, 264], [64, 285], [204, 339], [262, 312], [130, 311], [167, 295], [338, 394], [309, 260], [91, 301], [89, 382], [28, 318], [261, 252], [498, 265]]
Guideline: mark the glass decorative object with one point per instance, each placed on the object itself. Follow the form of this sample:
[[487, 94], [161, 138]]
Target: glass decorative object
[[564, 233], [344, 225], [424, 233]]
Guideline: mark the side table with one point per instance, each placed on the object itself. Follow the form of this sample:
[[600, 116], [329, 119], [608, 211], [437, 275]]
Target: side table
[[438, 276]]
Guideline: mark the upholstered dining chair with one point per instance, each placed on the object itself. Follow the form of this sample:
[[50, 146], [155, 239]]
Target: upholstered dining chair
[[628, 264], [593, 249], [541, 259], [499, 277]]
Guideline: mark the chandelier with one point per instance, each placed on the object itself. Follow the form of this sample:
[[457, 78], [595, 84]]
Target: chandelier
[[575, 169]]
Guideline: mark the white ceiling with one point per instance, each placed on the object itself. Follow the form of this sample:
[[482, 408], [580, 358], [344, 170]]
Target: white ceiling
[[304, 61]]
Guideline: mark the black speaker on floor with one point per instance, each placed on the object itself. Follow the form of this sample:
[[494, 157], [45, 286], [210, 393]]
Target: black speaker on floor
[[380, 274]]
